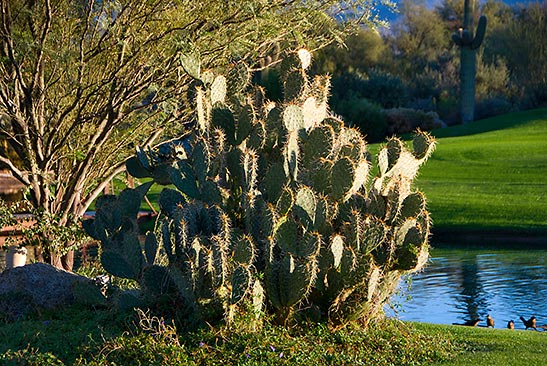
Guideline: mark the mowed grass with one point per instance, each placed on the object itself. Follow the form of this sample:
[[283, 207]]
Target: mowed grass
[[490, 347], [489, 175]]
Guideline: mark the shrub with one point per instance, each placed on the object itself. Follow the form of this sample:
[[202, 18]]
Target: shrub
[[347, 86], [385, 89], [378, 87], [492, 107], [406, 120], [448, 109], [366, 116]]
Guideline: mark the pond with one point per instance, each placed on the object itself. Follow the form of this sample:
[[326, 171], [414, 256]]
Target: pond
[[463, 284]]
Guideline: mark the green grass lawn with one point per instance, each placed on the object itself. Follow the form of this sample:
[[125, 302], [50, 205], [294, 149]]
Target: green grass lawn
[[492, 347], [489, 175]]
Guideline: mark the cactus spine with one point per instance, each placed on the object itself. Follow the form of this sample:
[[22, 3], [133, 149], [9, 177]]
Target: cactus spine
[[469, 42]]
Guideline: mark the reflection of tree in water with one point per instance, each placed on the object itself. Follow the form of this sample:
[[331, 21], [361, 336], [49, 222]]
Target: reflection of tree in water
[[525, 287], [471, 299]]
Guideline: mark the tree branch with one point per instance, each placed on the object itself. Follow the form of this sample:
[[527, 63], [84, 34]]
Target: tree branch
[[16, 172]]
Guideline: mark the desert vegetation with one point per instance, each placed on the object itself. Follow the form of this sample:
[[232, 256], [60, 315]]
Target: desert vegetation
[[415, 65], [278, 232]]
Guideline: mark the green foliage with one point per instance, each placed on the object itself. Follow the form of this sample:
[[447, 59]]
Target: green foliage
[[385, 89], [290, 226], [386, 343], [6, 214], [364, 115], [493, 107], [518, 39], [363, 50], [419, 37], [29, 357], [99, 337], [38, 228], [406, 120]]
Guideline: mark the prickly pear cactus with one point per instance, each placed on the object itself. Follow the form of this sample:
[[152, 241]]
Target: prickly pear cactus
[[469, 42], [115, 225], [275, 209]]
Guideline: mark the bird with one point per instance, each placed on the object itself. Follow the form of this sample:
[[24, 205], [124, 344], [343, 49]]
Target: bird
[[530, 323], [469, 323], [511, 324], [489, 321]]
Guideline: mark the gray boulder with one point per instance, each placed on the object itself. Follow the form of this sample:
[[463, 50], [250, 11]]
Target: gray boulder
[[40, 286]]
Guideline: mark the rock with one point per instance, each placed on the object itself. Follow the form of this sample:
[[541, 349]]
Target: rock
[[38, 286]]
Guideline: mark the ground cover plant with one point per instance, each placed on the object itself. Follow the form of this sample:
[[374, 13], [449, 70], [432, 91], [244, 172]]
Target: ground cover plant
[[78, 336], [81, 337]]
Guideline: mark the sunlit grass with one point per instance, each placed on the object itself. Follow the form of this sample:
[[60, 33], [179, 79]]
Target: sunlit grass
[[485, 346], [489, 175], [490, 179]]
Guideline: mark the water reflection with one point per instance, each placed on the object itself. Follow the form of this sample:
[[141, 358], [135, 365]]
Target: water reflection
[[462, 284]]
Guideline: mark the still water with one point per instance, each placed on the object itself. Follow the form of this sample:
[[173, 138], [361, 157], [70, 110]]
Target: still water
[[462, 284]]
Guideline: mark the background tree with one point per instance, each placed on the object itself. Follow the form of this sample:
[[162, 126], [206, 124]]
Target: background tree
[[419, 64], [418, 38], [359, 52], [520, 39], [82, 82]]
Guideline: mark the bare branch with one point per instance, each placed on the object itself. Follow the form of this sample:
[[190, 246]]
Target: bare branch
[[21, 176], [99, 189]]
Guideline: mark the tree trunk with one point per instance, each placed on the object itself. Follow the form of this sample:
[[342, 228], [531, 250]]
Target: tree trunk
[[65, 261]]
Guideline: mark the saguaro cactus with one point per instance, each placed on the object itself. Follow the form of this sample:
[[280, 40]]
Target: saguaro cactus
[[468, 43]]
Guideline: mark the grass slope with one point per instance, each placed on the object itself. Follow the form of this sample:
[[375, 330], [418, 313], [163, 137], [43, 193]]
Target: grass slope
[[490, 175]]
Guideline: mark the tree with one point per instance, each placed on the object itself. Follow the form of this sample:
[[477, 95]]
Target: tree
[[359, 52], [83, 82], [420, 36], [522, 43]]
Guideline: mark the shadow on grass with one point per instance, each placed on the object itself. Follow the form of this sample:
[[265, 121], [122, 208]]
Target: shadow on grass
[[509, 120]]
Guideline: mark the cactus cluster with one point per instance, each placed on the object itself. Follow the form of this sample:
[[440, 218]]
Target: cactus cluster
[[275, 208], [468, 43]]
